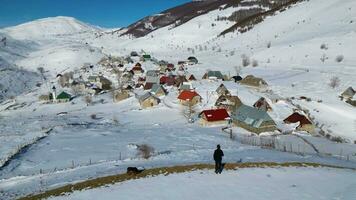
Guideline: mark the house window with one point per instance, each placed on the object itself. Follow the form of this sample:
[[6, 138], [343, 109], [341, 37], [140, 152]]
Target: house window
[[248, 120], [257, 123]]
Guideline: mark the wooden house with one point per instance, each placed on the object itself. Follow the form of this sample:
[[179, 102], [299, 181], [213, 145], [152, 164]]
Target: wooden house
[[230, 103], [262, 104], [120, 95], [349, 93], [148, 100], [187, 98], [304, 123], [222, 90], [253, 81]]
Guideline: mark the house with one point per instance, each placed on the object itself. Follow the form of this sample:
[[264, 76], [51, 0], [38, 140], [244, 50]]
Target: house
[[148, 100], [152, 77], [100, 82], [187, 97], [148, 86], [213, 75], [141, 80], [127, 76], [63, 97], [92, 79], [230, 103], [253, 119], [158, 90], [214, 117], [185, 86], [182, 62], [146, 57], [138, 65], [180, 80], [192, 60], [253, 81], [349, 93], [236, 78], [167, 80], [262, 104], [163, 63], [121, 95], [133, 54], [46, 97], [304, 123], [191, 77], [222, 90], [171, 67], [104, 83], [137, 69], [79, 87]]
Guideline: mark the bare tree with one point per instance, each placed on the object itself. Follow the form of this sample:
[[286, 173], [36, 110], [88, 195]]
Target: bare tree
[[254, 63], [145, 151], [339, 58], [245, 60], [334, 82]]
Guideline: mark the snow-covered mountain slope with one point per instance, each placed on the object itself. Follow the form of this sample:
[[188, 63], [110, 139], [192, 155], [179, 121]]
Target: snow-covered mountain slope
[[47, 28], [56, 44], [13, 79]]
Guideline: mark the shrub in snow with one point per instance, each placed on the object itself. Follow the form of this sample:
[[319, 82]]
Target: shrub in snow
[[339, 58], [254, 63], [337, 139], [245, 60], [145, 151], [93, 116], [323, 46], [334, 82], [88, 100], [269, 45], [323, 58]]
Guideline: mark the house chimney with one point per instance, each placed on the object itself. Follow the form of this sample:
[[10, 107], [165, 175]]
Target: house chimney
[[54, 95]]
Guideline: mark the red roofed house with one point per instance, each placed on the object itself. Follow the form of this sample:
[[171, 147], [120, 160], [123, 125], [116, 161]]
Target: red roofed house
[[167, 80], [187, 97], [137, 69], [214, 117], [304, 123]]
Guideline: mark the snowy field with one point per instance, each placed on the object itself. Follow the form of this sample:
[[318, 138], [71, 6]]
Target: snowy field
[[254, 183]]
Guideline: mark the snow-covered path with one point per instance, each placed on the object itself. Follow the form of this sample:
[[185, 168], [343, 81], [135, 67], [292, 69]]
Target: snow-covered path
[[250, 183]]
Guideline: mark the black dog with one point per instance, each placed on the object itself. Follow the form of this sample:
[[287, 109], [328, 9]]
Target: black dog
[[134, 170]]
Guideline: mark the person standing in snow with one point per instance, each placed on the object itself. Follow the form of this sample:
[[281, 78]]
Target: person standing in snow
[[218, 154]]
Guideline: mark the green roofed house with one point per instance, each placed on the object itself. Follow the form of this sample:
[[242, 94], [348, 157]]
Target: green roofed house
[[146, 57], [63, 97], [253, 119]]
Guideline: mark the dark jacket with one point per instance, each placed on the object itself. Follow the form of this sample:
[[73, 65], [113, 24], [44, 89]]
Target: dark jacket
[[218, 154]]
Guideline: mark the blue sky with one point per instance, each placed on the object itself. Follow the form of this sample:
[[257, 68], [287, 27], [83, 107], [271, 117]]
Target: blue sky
[[104, 13]]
